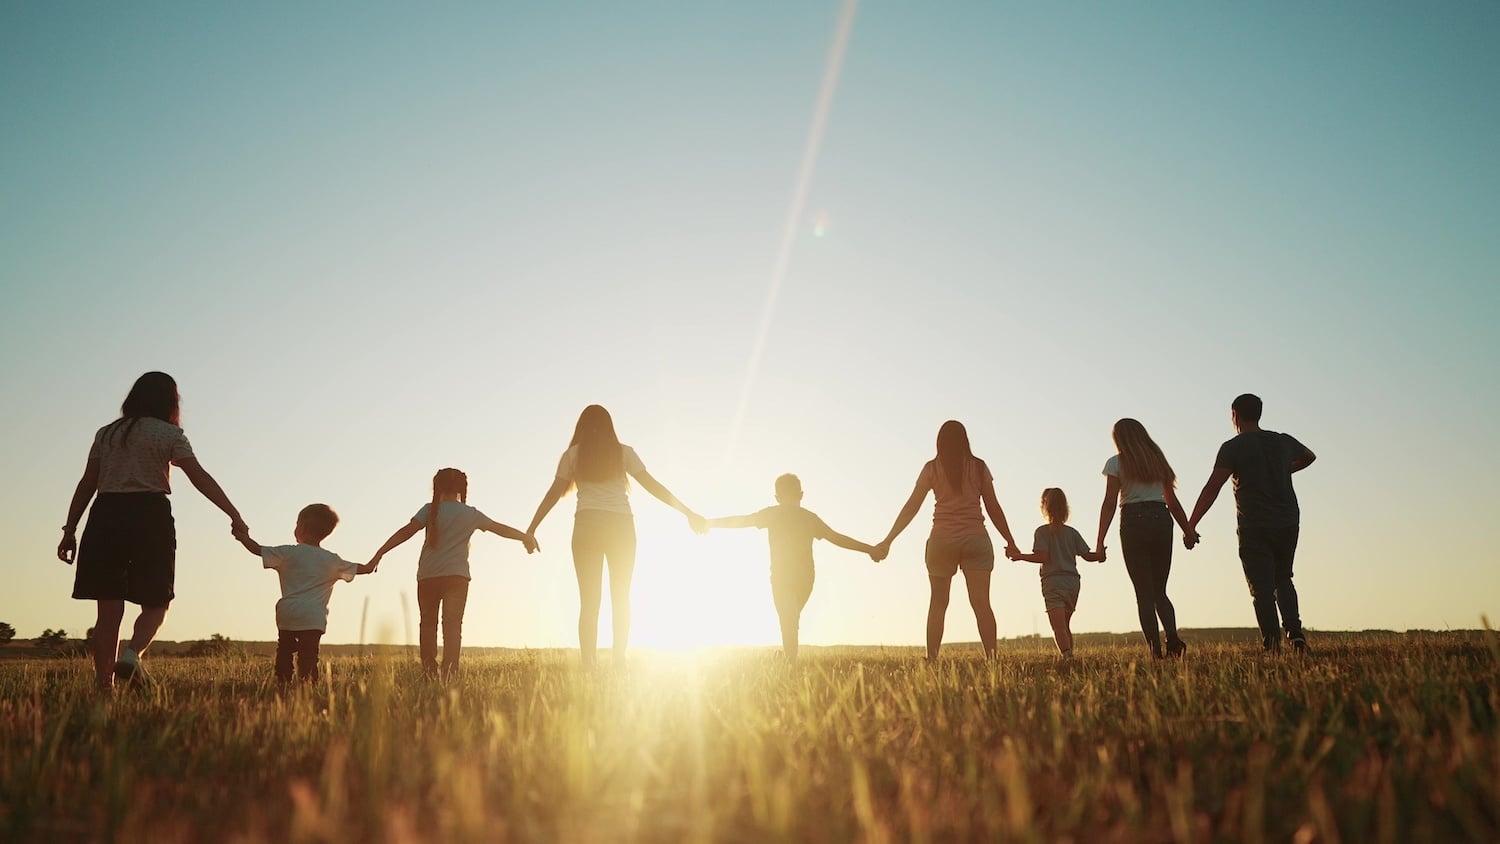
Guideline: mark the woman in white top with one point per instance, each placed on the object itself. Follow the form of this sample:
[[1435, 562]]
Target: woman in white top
[[1142, 481], [959, 482], [129, 547], [603, 527]]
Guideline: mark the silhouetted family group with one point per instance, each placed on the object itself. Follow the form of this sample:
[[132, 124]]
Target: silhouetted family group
[[128, 548]]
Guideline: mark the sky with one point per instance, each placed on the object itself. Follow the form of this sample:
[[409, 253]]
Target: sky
[[372, 240]]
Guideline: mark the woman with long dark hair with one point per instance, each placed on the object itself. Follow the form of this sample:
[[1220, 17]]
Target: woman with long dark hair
[[600, 466], [960, 483], [129, 547], [1139, 478]]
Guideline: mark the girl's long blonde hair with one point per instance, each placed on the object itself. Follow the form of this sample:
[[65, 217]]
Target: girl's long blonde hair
[[1141, 459], [1055, 506], [445, 482]]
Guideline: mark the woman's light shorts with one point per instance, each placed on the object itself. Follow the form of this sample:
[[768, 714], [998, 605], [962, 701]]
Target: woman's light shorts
[[945, 556]]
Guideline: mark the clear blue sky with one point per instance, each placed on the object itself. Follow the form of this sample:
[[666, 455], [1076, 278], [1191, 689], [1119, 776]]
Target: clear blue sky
[[372, 240]]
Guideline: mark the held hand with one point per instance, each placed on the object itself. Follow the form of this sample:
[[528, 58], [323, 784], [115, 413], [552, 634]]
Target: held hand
[[697, 523], [67, 548], [1103, 553], [1012, 552], [239, 530], [1190, 539], [531, 544], [374, 563], [878, 553]]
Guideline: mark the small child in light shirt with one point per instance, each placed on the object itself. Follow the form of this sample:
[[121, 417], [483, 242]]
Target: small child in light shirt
[[1056, 546], [308, 572]]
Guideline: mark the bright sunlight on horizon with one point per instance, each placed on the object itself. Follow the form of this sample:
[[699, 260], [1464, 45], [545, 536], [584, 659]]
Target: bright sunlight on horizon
[[370, 242]]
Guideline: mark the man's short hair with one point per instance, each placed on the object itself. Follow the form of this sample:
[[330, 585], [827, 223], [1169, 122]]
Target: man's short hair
[[319, 519], [1247, 407], [788, 486]]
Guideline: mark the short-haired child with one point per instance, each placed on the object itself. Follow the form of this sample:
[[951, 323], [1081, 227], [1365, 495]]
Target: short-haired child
[[791, 530], [1056, 547], [307, 572]]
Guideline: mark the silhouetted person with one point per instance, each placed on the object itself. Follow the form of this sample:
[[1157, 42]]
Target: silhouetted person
[[791, 531], [1057, 547], [603, 527], [1261, 463], [960, 482], [1141, 480], [129, 547], [443, 567], [307, 572]]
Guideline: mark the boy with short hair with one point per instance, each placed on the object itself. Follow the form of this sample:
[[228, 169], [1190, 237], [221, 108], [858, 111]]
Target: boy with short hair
[[791, 530], [308, 572]]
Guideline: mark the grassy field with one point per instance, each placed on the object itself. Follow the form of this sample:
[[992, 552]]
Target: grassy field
[[1372, 738]]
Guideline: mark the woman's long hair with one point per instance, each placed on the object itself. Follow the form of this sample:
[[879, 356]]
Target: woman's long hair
[[1141, 459], [953, 454], [445, 482], [153, 395], [600, 457]]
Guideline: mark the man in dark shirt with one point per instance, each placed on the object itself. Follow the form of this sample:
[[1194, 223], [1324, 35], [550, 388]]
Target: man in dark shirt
[[1261, 463]]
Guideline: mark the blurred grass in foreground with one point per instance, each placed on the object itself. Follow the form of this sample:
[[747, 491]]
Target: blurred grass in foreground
[[1372, 738]]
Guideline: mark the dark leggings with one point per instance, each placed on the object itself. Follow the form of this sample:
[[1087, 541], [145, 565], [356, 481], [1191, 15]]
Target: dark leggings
[[1146, 540], [451, 594], [304, 645]]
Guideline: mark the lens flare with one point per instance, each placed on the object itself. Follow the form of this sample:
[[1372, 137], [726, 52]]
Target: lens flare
[[820, 226]]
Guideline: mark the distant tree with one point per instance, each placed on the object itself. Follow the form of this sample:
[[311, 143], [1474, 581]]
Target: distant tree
[[7, 633], [216, 645], [53, 640]]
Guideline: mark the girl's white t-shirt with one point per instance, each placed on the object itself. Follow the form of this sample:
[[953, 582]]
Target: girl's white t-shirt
[[308, 573], [612, 495], [142, 463], [456, 523], [1132, 492]]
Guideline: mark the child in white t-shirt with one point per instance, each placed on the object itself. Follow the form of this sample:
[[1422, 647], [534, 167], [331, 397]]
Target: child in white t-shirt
[[1056, 546], [308, 572], [443, 567]]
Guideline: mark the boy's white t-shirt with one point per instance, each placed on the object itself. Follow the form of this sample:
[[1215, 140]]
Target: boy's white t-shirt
[[612, 495], [456, 523], [1132, 492], [307, 576]]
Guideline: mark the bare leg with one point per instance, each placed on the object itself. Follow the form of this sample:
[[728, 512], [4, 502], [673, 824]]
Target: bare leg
[[1061, 632], [107, 641], [589, 566], [937, 613], [146, 625], [621, 557], [978, 583]]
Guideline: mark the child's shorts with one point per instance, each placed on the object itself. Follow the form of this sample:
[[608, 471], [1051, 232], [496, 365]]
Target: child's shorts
[[945, 556], [128, 551], [1060, 591]]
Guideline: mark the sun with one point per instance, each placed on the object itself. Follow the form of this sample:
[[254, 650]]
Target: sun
[[698, 591]]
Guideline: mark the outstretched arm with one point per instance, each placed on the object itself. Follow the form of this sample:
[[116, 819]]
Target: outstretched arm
[[1107, 509], [1039, 557], [843, 541], [211, 490], [553, 495], [997, 515], [511, 533], [406, 532], [82, 495], [908, 512], [1093, 556], [1174, 507], [250, 545], [653, 486], [746, 521], [1207, 497]]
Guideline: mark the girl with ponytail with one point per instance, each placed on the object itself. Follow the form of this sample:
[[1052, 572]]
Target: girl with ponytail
[[960, 483], [600, 466], [443, 566], [1141, 480]]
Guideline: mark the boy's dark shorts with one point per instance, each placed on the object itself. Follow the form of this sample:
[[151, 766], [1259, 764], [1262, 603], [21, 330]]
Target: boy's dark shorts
[[128, 551]]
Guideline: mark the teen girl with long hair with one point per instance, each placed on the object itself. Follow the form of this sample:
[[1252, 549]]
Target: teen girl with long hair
[[129, 546], [960, 483], [1140, 480], [443, 567], [600, 466]]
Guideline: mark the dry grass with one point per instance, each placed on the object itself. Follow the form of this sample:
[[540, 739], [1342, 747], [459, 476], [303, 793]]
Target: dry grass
[[1376, 738]]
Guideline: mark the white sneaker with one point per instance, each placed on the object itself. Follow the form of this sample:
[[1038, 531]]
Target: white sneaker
[[128, 666]]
